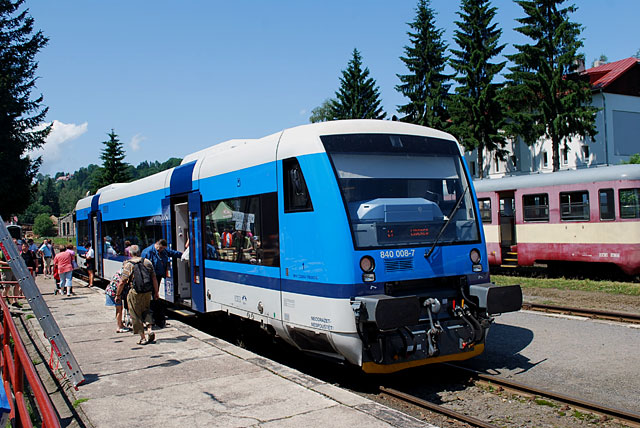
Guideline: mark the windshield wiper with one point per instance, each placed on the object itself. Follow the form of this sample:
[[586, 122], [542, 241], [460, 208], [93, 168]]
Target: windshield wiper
[[444, 226]]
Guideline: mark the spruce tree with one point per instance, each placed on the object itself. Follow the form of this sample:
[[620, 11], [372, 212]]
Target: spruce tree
[[426, 84], [545, 95], [476, 112], [21, 116], [114, 168], [358, 96]]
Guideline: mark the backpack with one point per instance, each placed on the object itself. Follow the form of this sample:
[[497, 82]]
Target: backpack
[[112, 288], [141, 278]]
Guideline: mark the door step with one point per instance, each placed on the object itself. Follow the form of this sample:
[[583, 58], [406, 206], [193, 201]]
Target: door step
[[182, 312]]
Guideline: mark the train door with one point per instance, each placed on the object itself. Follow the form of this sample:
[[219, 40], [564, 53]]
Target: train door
[[166, 289], [507, 218], [96, 239], [197, 246], [181, 279]]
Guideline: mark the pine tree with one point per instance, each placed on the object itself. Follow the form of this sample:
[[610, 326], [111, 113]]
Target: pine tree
[[426, 84], [114, 168], [358, 96], [21, 116], [476, 112], [544, 94]]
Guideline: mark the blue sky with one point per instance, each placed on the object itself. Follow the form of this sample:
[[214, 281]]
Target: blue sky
[[172, 77]]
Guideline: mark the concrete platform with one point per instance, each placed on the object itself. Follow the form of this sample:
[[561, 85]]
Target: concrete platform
[[187, 378]]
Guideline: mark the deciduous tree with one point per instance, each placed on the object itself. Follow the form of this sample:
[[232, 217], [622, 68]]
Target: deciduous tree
[[21, 115], [545, 95]]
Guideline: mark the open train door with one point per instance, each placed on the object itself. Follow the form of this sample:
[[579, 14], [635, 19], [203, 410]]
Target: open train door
[[197, 246], [507, 221], [166, 286]]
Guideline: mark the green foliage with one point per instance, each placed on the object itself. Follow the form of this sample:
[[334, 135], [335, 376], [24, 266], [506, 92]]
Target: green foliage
[[544, 94], [635, 158], [43, 226], [358, 96], [32, 211], [426, 84], [114, 168], [63, 195], [21, 116], [476, 112], [323, 112]]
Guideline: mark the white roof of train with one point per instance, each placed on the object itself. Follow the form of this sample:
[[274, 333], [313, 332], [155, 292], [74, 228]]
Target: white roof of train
[[559, 178], [237, 154]]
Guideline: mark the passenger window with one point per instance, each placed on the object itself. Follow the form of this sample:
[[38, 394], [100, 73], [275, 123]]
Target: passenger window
[[242, 230], [535, 207], [485, 209], [119, 234], [574, 206], [296, 194], [606, 204], [630, 203]]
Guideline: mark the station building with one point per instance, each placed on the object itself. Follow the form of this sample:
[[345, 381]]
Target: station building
[[616, 92]]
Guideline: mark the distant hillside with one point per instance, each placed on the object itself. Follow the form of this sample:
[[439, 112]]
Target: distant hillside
[[58, 194]]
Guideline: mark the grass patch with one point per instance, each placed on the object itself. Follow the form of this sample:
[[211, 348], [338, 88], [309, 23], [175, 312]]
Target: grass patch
[[610, 287], [543, 402], [29, 316], [36, 362], [79, 402]]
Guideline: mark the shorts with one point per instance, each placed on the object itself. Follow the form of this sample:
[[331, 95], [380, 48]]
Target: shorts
[[111, 301], [47, 262], [91, 264]]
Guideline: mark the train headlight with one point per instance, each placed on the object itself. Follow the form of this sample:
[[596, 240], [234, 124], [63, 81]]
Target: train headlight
[[367, 264], [474, 255]]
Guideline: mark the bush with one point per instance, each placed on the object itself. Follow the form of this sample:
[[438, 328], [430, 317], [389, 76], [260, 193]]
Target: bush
[[43, 226]]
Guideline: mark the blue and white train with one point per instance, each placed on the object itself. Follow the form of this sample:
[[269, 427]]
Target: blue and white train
[[356, 239]]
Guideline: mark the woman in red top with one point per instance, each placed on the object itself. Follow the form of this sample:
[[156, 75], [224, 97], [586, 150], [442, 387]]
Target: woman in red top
[[63, 261]]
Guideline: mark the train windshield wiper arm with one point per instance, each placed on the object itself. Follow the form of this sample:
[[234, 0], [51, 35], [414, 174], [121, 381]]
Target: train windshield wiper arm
[[444, 226]]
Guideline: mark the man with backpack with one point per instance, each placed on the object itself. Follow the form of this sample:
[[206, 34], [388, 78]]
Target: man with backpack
[[140, 275]]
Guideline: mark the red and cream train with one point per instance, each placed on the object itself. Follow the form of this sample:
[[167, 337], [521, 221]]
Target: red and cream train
[[587, 215]]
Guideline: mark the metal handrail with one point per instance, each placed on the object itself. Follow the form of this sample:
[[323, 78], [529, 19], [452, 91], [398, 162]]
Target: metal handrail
[[15, 367]]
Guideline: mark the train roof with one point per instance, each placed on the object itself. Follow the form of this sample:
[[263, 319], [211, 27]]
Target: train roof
[[237, 154], [559, 178]]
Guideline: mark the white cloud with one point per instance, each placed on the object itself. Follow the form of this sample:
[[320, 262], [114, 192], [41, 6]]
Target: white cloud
[[135, 142], [54, 146]]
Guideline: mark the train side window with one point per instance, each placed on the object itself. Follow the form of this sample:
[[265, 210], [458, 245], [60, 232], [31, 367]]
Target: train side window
[[296, 194], [574, 206], [485, 210], [242, 230], [536, 207], [606, 204], [629, 203]]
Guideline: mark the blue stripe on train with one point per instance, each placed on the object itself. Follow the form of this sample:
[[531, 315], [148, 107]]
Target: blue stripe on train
[[308, 288]]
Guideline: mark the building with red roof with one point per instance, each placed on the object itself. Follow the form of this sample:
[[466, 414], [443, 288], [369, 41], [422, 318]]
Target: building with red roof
[[616, 92]]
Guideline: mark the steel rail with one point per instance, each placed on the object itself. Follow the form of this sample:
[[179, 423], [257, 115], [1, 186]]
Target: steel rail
[[591, 313], [436, 408], [620, 414]]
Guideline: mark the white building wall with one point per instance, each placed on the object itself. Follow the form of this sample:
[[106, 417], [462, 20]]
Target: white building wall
[[619, 116]]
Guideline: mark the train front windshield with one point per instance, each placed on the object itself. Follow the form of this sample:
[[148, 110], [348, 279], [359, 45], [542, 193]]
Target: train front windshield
[[401, 190]]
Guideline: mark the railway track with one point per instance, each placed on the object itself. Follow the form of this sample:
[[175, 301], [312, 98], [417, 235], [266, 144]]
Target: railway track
[[589, 313], [625, 417]]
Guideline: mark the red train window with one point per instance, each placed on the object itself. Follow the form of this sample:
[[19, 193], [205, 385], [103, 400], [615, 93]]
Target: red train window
[[606, 204], [629, 203]]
